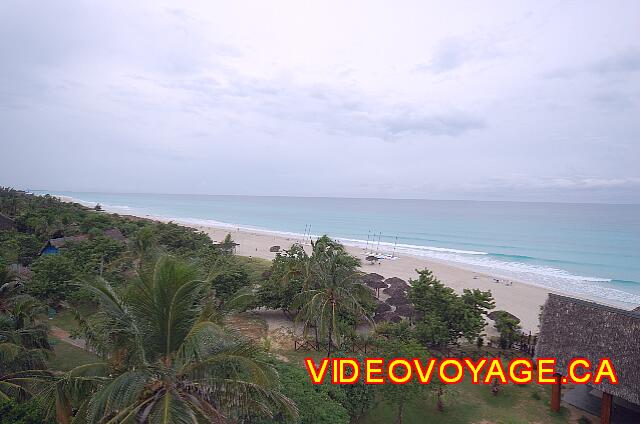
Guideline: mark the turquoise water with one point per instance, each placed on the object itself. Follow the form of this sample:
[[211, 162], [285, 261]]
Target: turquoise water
[[588, 249]]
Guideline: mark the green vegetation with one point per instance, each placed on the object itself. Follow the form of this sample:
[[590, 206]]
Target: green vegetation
[[447, 317], [173, 334], [66, 356]]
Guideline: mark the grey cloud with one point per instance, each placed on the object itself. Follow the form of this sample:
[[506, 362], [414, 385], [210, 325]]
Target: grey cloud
[[449, 124], [626, 61], [613, 101], [623, 62], [336, 110], [450, 54]]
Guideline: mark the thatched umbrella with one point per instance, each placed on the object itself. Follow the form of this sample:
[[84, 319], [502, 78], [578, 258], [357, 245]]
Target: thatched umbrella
[[372, 276], [406, 310], [398, 300], [397, 282], [387, 316], [394, 291], [382, 308], [377, 285]]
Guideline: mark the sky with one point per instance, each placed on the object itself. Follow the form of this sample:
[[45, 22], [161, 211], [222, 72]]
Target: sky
[[505, 100]]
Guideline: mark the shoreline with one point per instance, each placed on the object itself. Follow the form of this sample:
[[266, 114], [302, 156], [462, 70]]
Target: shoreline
[[520, 298]]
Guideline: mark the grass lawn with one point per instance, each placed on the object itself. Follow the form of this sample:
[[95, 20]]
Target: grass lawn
[[468, 403], [66, 320], [68, 356], [254, 266]]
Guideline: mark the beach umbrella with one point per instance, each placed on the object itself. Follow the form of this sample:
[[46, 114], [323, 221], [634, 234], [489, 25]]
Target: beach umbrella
[[372, 276], [387, 316], [382, 308], [397, 282], [398, 300], [405, 310], [394, 291], [377, 285]]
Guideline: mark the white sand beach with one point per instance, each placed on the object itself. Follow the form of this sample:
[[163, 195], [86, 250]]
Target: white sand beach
[[523, 300]]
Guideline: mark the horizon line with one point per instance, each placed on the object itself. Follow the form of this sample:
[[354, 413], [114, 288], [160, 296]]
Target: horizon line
[[343, 197]]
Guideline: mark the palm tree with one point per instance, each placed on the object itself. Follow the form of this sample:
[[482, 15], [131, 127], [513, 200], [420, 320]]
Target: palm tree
[[166, 361], [24, 345], [334, 290]]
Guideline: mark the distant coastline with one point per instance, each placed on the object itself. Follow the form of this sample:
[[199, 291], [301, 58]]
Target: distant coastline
[[474, 261]]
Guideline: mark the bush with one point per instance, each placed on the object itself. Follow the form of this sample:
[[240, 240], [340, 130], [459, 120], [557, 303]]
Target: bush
[[51, 277], [314, 402], [12, 412]]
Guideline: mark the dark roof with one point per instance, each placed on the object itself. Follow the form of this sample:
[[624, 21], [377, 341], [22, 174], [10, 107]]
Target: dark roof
[[387, 316], [115, 234], [60, 241], [397, 282], [372, 276], [398, 300], [6, 222], [382, 308], [571, 328], [395, 291], [405, 310], [376, 284]]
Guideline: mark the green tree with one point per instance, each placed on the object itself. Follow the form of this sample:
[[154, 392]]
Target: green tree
[[13, 412], [290, 272], [167, 361], [316, 403], [333, 291], [227, 278], [445, 316], [400, 395], [508, 325], [52, 275]]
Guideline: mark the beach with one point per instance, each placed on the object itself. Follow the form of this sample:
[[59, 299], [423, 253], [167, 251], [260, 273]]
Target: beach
[[522, 300]]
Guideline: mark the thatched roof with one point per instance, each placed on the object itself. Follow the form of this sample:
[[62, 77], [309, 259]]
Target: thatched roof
[[572, 328], [405, 310], [115, 234], [372, 276], [61, 241], [376, 284], [394, 291], [397, 282], [382, 308], [387, 316], [6, 222], [398, 300]]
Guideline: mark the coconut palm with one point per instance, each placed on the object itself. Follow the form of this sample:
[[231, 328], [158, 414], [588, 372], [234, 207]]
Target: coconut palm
[[166, 361], [334, 290], [24, 346]]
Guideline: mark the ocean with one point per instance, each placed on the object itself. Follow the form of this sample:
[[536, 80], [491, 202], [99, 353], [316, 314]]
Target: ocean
[[591, 250]]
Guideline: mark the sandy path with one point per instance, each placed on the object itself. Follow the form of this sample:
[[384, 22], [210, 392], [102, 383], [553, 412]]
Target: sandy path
[[65, 336]]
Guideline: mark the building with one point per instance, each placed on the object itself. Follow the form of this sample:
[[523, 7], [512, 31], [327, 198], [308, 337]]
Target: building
[[6, 223], [571, 328], [53, 245]]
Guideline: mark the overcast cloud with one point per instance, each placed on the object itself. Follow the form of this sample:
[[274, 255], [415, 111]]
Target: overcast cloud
[[480, 100]]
